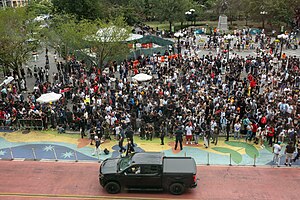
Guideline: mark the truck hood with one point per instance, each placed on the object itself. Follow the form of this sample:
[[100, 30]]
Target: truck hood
[[109, 166]]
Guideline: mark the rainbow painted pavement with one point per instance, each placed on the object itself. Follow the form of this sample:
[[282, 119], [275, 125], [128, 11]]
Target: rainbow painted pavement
[[49, 145]]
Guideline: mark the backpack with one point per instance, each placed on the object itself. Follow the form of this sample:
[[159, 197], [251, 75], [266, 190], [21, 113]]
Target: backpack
[[106, 151]]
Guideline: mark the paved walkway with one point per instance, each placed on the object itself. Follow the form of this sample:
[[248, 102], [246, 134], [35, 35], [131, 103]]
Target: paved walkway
[[48, 145]]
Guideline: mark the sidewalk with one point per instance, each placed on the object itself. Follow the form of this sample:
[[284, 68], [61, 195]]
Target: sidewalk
[[48, 145]]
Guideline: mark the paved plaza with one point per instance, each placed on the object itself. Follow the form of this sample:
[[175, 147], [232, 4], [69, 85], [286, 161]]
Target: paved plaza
[[48, 145]]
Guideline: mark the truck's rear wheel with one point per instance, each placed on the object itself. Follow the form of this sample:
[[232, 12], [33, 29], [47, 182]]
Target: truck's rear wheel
[[176, 188], [112, 188]]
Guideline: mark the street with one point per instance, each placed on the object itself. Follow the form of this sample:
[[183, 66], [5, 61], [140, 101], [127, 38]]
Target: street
[[69, 180]]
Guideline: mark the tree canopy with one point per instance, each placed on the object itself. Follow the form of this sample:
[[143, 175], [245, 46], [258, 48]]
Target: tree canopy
[[99, 40], [17, 38]]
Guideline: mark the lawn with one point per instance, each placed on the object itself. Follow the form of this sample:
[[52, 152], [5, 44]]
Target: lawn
[[204, 24]]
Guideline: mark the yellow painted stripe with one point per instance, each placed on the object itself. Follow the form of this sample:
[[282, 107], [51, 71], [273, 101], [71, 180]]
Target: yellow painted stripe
[[62, 196]]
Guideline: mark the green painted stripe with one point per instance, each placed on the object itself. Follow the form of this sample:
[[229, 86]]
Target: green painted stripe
[[250, 150], [235, 156]]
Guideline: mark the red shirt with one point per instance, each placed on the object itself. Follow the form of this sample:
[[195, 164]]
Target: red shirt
[[250, 77], [2, 114], [96, 87], [161, 93], [252, 84], [271, 131], [254, 128]]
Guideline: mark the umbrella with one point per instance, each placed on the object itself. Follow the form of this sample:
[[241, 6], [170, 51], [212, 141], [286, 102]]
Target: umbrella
[[142, 77], [199, 31], [49, 97], [255, 31], [8, 80]]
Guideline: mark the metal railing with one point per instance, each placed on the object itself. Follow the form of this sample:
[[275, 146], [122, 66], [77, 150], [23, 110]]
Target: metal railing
[[12, 156], [209, 159], [30, 124]]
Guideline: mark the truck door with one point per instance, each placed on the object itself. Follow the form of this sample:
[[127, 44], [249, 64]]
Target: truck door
[[131, 176], [150, 176]]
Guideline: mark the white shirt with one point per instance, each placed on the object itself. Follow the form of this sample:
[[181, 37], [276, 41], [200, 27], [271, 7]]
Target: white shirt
[[277, 148], [237, 127], [189, 130]]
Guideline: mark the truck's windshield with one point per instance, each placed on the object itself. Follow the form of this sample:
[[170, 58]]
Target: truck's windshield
[[124, 163]]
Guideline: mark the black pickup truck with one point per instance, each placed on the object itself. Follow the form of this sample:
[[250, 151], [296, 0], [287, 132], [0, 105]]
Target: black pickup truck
[[148, 171]]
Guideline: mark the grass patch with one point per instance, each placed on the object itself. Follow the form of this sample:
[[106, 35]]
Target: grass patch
[[236, 24]]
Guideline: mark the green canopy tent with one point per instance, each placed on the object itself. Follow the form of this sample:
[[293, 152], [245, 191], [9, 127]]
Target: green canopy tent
[[161, 45]]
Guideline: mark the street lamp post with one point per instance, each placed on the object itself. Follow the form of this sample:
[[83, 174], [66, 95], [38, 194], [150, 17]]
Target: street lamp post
[[193, 16], [229, 38], [282, 38], [263, 13], [178, 35], [188, 14]]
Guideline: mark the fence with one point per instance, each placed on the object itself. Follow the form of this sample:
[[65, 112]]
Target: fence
[[34, 156], [21, 124], [36, 124], [55, 152]]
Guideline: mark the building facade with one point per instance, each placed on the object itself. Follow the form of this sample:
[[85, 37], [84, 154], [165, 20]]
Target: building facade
[[13, 3]]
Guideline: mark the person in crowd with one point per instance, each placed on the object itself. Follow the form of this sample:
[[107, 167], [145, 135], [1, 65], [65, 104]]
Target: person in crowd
[[129, 135], [121, 141], [237, 129], [197, 134], [130, 148], [289, 152], [215, 135], [92, 135], [97, 146], [298, 151], [189, 133], [276, 151], [164, 132], [178, 135]]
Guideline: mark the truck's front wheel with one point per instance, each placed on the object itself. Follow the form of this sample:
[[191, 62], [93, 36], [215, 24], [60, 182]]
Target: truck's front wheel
[[112, 188], [176, 188]]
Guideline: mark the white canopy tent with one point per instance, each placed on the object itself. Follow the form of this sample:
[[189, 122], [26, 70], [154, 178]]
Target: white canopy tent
[[142, 77], [113, 34], [133, 37], [7, 80], [49, 97]]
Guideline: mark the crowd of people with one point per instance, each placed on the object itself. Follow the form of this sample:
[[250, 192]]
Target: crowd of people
[[253, 98]]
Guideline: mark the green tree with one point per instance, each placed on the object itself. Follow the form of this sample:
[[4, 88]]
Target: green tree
[[83, 9], [205, 3], [136, 11], [100, 40], [17, 38], [281, 11], [171, 10], [39, 7]]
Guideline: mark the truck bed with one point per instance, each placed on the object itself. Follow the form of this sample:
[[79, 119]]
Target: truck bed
[[179, 165]]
